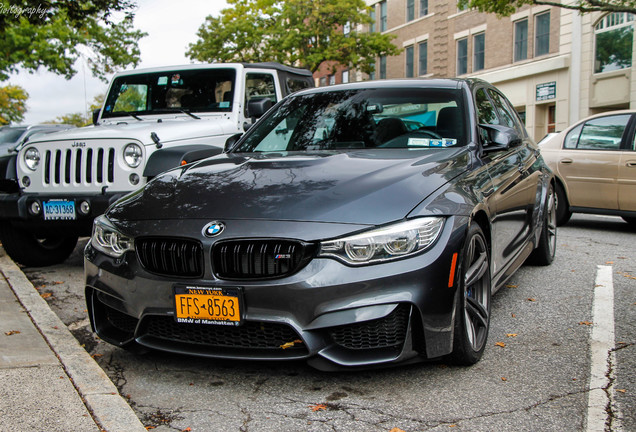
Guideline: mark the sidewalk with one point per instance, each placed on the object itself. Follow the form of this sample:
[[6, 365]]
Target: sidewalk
[[48, 382]]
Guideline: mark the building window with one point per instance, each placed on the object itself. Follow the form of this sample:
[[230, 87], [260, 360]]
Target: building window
[[521, 40], [423, 59], [372, 24], [410, 60], [383, 16], [410, 10], [614, 36], [323, 81], [423, 8], [462, 56], [542, 34], [332, 79], [479, 51], [463, 7], [346, 29], [522, 114], [383, 67], [345, 76]]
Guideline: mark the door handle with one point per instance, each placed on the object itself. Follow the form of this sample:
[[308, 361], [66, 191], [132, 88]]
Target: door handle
[[566, 161], [631, 163]]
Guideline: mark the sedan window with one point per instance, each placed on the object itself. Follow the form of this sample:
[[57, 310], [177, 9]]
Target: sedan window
[[604, 133]]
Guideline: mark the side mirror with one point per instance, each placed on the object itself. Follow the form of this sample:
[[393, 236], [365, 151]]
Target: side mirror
[[96, 115], [229, 143], [257, 107], [497, 137]]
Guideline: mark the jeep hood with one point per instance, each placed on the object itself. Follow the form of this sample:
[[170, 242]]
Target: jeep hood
[[176, 129], [362, 187]]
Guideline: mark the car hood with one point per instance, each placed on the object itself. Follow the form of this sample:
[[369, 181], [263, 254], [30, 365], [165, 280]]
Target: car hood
[[362, 187]]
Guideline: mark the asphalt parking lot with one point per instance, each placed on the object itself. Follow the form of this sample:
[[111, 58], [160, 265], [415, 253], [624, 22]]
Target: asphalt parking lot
[[535, 374]]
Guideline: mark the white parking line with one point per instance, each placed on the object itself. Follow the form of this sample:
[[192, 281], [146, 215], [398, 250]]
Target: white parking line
[[601, 391]]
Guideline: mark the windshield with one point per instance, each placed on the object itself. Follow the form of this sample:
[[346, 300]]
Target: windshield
[[200, 90], [10, 135], [366, 118]]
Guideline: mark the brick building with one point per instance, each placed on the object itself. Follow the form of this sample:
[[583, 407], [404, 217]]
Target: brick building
[[551, 62]]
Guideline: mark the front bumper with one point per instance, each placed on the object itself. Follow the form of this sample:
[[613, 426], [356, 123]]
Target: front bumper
[[329, 313], [16, 207]]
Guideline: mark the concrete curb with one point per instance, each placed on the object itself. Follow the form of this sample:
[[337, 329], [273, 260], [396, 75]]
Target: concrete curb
[[108, 408]]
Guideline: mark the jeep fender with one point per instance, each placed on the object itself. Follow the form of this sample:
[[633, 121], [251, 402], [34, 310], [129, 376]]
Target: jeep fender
[[8, 174], [165, 159]]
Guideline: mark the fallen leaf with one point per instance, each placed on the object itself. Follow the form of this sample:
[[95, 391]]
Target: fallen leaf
[[97, 355], [511, 286], [396, 430], [532, 299], [513, 315], [609, 262], [504, 379], [12, 332], [57, 283], [587, 323], [318, 407], [511, 334], [290, 344], [150, 427], [621, 390], [46, 295], [186, 429], [55, 327], [500, 344], [453, 425]]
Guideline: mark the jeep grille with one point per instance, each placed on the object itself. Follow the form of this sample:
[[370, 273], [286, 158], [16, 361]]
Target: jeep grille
[[77, 166]]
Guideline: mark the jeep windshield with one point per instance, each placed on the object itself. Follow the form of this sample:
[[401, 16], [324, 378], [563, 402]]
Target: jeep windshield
[[361, 119], [176, 91]]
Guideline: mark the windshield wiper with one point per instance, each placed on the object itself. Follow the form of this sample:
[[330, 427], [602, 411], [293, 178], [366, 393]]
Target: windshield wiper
[[185, 111], [135, 116]]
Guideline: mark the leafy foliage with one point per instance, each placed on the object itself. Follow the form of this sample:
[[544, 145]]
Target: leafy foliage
[[53, 34], [508, 7], [298, 32], [12, 104], [80, 119]]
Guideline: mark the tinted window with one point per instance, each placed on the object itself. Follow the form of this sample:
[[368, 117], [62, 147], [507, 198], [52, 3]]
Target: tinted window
[[259, 86], [375, 118], [10, 135], [603, 133], [506, 113], [485, 110], [294, 85]]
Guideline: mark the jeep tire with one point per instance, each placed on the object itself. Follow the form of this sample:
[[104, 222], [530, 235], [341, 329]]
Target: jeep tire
[[34, 251]]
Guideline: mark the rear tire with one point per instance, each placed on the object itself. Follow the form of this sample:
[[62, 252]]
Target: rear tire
[[32, 251], [543, 254], [563, 213], [472, 317]]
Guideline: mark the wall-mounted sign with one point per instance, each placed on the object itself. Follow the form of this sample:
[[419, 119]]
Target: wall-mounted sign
[[546, 91]]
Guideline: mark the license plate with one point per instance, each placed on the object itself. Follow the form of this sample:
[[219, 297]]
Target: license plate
[[207, 305], [59, 210]]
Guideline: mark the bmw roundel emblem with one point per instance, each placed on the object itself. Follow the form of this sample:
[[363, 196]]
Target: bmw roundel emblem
[[213, 229]]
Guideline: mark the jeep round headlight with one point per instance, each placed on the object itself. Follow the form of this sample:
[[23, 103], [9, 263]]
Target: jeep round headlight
[[132, 155], [32, 158]]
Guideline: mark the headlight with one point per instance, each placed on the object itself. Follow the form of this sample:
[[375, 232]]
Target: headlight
[[386, 243], [108, 240], [32, 158], [132, 155]]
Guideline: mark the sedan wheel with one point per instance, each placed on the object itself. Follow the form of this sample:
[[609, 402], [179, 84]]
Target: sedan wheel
[[545, 250], [473, 309]]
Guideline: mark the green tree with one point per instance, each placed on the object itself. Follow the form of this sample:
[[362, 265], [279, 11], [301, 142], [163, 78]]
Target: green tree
[[508, 7], [298, 32], [54, 34], [12, 104], [78, 119]]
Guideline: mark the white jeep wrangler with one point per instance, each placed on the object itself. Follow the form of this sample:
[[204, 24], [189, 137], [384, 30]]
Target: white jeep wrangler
[[152, 120]]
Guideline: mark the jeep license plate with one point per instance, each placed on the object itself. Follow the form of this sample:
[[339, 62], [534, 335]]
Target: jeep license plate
[[59, 210]]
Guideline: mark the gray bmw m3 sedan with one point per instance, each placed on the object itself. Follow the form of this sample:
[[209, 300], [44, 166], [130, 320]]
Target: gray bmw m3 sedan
[[354, 225]]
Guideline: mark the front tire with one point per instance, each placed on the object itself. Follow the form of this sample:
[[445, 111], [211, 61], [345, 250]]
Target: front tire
[[543, 255], [33, 251], [472, 317]]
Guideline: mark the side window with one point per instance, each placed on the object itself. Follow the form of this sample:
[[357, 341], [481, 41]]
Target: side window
[[485, 110], [507, 114], [258, 86], [605, 133], [572, 138], [295, 84]]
